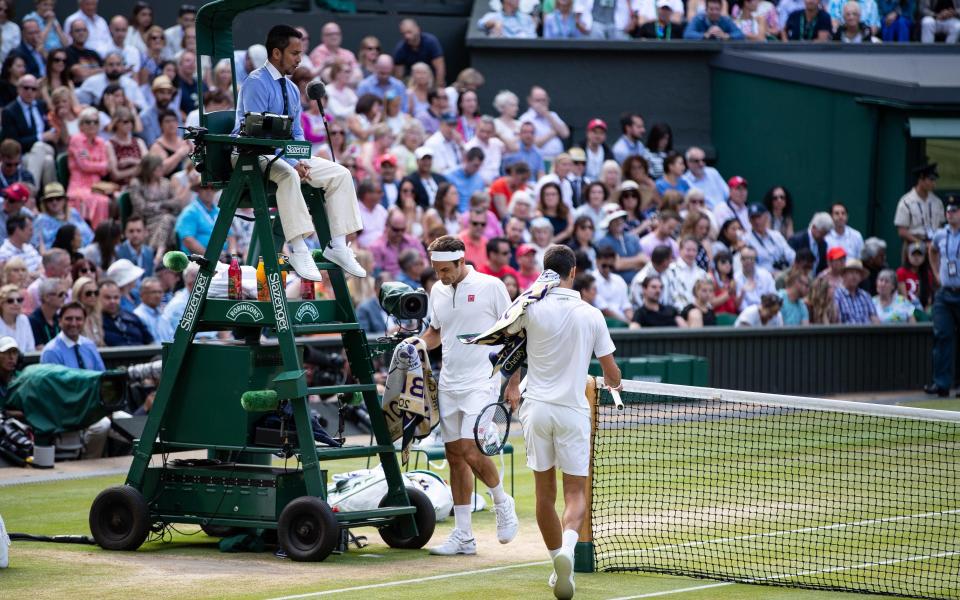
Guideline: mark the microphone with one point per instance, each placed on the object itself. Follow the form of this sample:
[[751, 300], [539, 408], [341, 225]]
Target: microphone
[[316, 91]]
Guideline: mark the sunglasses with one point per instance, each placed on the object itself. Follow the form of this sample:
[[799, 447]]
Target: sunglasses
[[11, 163], [397, 229], [155, 37], [89, 122], [55, 199], [693, 201], [59, 294], [333, 133], [58, 60], [695, 160], [90, 293], [377, 48], [32, 88], [586, 227], [779, 197], [478, 223], [14, 300]]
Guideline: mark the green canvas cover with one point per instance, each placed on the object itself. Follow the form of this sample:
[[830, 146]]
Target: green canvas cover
[[55, 398]]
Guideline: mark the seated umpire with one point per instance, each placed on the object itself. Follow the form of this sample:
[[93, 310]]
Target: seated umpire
[[268, 90]]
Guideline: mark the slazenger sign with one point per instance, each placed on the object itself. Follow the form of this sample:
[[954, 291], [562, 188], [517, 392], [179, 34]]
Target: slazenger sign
[[279, 304], [297, 150], [193, 305], [307, 313], [245, 309]]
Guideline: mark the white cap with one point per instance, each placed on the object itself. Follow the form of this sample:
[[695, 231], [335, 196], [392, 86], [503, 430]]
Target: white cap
[[422, 152], [664, 4], [8, 343], [123, 272]]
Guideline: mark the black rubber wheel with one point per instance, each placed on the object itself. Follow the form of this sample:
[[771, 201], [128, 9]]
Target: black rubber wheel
[[120, 518], [308, 530], [222, 531], [426, 518]]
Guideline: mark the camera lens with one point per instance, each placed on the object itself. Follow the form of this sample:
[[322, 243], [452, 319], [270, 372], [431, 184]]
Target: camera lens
[[414, 306]]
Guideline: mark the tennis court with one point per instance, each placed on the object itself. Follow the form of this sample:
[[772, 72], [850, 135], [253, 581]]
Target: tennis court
[[191, 565]]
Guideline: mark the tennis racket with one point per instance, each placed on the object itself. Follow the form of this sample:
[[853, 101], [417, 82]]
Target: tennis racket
[[492, 427]]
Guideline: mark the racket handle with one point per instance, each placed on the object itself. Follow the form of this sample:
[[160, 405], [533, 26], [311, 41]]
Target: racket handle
[[617, 401]]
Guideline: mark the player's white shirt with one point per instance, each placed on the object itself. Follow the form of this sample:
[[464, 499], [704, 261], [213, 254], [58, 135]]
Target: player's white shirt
[[563, 333], [471, 307]]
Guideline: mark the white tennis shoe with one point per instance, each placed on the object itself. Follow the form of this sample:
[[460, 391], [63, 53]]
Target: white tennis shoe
[[458, 543], [507, 522], [562, 578], [302, 262], [345, 259]]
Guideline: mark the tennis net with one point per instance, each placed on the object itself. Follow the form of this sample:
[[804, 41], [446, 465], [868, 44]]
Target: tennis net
[[777, 490]]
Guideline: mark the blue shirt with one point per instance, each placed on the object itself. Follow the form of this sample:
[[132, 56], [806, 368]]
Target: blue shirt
[[628, 245], [624, 147], [466, 186], [196, 221], [700, 24], [794, 313], [556, 26], [517, 25], [143, 259], [60, 352], [45, 228], [53, 41], [261, 93], [150, 317], [947, 243], [664, 185], [856, 308], [372, 85], [530, 155]]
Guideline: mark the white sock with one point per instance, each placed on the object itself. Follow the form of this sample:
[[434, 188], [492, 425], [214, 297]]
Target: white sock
[[554, 553], [461, 518], [338, 242], [570, 538], [298, 245], [499, 496]]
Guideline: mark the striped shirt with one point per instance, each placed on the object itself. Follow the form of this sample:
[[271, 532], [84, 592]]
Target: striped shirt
[[856, 308]]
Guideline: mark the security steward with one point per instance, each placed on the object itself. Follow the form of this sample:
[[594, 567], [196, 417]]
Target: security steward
[[945, 263]]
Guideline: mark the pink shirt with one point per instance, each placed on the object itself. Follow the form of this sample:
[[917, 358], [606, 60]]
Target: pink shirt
[[321, 57]]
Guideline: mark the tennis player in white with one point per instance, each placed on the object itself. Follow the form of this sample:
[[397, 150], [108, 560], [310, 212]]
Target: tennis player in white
[[466, 302], [563, 333]]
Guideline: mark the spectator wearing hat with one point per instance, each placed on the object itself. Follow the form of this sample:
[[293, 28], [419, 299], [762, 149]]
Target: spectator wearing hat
[[120, 326], [508, 22], [25, 120], [386, 167], [17, 244], [665, 26], [527, 153], [842, 234], [372, 214], [550, 130], [528, 269], [939, 17], [773, 252], [920, 212], [662, 235], [13, 323], [735, 207], [652, 312], [576, 177], [712, 24], [498, 259], [561, 24], [127, 277], [874, 257], [467, 177], [854, 304], [793, 306], [891, 306], [815, 239], [915, 277], [613, 298], [69, 347], [493, 149], [503, 188], [945, 263], [9, 358], [54, 213], [163, 93], [417, 46], [836, 262], [752, 281], [424, 179], [765, 313], [15, 196], [705, 178], [630, 259], [43, 320], [92, 88], [630, 142], [194, 225]]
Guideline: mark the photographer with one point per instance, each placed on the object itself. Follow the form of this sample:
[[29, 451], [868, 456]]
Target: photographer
[[773, 252]]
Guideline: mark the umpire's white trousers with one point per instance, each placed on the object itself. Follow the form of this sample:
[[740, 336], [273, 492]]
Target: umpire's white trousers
[[343, 212]]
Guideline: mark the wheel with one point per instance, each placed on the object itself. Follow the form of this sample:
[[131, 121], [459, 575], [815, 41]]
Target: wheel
[[425, 516], [308, 530], [221, 531], [120, 518]]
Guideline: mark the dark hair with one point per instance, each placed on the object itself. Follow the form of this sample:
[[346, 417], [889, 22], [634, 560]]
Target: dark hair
[[649, 279], [715, 1], [64, 237], [460, 102], [668, 214], [450, 243], [493, 244], [365, 103], [434, 93], [559, 259], [626, 119], [518, 168], [804, 255], [836, 204], [628, 166], [768, 200], [583, 261], [426, 276], [793, 277], [163, 114], [8, 65], [216, 96], [606, 251], [366, 187], [657, 132], [723, 237], [106, 236], [442, 190], [64, 75], [138, 8], [671, 158], [72, 305], [135, 217], [583, 281], [562, 209], [475, 153], [79, 264], [279, 38], [110, 89], [768, 300], [661, 254], [16, 222]]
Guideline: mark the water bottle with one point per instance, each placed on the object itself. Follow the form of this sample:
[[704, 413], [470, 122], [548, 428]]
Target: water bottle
[[306, 290]]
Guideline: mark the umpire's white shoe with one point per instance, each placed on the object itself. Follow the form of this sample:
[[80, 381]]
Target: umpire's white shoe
[[345, 259], [459, 542], [562, 578], [507, 522], [302, 262]]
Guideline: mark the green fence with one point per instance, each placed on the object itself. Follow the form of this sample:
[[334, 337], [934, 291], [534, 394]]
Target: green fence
[[680, 369]]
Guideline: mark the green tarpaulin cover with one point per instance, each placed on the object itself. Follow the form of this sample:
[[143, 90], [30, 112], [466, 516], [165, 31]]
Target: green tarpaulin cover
[[55, 398]]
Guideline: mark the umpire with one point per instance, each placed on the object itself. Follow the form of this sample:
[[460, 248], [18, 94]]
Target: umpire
[[945, 262]]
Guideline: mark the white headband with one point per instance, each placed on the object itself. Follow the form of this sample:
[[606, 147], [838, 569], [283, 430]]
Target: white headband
[[438, 256]]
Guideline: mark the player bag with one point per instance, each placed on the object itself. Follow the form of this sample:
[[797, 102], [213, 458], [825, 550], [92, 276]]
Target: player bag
[[410, 403]]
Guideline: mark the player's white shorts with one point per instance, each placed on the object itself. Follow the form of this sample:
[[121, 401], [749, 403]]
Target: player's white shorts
[[556, 436], [459, 410]]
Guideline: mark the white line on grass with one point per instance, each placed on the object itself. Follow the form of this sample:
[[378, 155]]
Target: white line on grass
[[751, 536], [408, 581], [677, 591]]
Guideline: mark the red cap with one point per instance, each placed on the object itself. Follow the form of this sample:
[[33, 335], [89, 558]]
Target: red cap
[[835, 253], [737, 181], [526, 249], [17, 192], [597, 123], [387, 157]]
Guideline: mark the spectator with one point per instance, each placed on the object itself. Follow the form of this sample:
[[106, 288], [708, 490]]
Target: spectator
[[778, 202], [173, 311], [561, 22], [897, 18], [82, 60], [189, 89], [473, 238], [836, 262], [127, 277], [120, 326], [186, 16], [672, 179], [735, 207], [141, 20], [17, 244], [411, 267], [87, 158], [380, 142], [70, 348], [854, 305], [25, 120], [667, 223], [13, 322], [596, 196], [637, 169], [842, 235], [613, 298], [660, 261], [803, 263], [509, 22], [407, 204], [652, 313], [630, 142], [550, 130], [43, 320], [603, 20], [792, 298], [372, 214], [810, 24], [515, 230], [730, 239], [102, 251], [699, 313], [697, 226], [586, 285], [773, 252], [527, 152], [30, 48], [939, 17], [493, 149], [330, 52], [431, 116], [99, 32], [874, 260], [149, 311], [85, 292], [124, 151], [749, 21], [766, 313], [372, 318], [705, 178], [385, 165], [425, 181], [151, 196], [56, 265], [503, 188], [170, 147], [13, 69], [195, 224], [506, 124], [667, 26], [552, 207], [446, 145], [920, 212], [15, 272], [630, 259], [712, 24], [851, 29], [815, 238], [395, 239], [445, 210], [498, 259], [481, 201], [467, 177], [155, 59], [681, 276], [915, 277], [527, 268], [660, 145], [93, 87], [891, 307], [15, 196], [54, 215], [419, 46], [752, 281], [52, 34], [341, 98], [468, 115]]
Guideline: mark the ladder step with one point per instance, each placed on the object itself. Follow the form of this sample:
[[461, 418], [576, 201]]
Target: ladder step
[[330, 390], [323, 452], [325, 328], [323, 266], [326, 453]]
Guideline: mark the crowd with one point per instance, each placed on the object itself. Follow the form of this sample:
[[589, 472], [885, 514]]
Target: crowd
[[91, 110], [845, 21]]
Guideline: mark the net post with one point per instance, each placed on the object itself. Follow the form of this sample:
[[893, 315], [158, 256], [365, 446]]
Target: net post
[[583, 553]]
